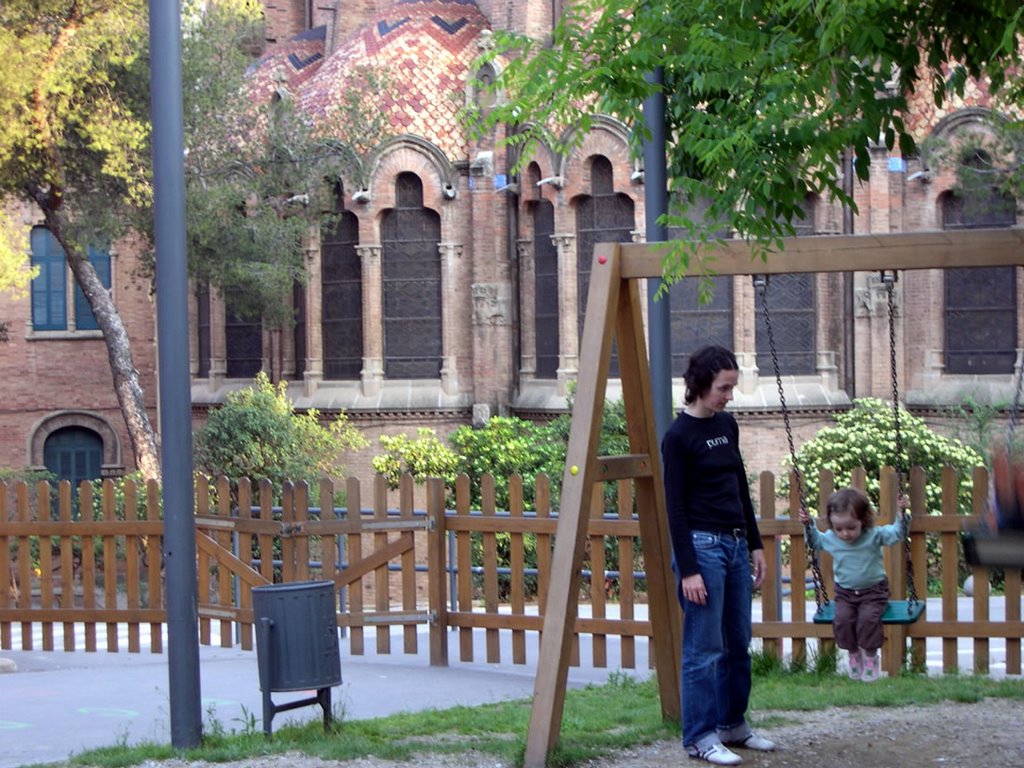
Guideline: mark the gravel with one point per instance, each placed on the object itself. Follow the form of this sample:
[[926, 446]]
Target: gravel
[[989, 733]]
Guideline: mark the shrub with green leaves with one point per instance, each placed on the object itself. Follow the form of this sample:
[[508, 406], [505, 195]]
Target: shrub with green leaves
[[613, 441], [258, 434], [424, 457], [504, 446]]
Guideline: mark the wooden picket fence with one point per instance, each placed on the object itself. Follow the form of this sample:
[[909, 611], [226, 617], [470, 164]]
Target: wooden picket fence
[[78, 571]]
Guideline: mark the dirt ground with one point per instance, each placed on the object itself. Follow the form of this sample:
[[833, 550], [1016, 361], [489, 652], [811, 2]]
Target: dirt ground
[[989, 734]]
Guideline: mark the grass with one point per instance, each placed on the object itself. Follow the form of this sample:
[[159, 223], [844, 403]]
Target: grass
[[597, 720]]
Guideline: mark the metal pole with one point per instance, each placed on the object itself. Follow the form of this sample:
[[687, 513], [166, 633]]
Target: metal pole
[[655, 205], [173, 373]]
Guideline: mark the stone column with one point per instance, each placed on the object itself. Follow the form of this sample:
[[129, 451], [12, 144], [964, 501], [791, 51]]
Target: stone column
[[218, 340], [373, 319], [568, 309], [314, 369], [450, 254], [527, 309], [745, 301]]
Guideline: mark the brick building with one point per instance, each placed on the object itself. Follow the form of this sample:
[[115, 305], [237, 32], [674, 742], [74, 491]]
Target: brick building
[[451, 288]]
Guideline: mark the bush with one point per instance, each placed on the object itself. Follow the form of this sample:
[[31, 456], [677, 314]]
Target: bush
[[257, 434], [423, 458], [505, 446]]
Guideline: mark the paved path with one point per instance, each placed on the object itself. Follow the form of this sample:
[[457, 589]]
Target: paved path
[[58, 703]]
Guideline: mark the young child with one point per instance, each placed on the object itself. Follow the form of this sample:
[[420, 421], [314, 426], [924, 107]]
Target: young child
[[862, 589]]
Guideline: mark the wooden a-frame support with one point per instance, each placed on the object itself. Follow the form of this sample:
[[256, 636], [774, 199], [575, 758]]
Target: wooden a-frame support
[[614, 310]]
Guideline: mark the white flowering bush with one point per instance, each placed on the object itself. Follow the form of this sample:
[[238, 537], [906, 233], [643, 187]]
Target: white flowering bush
[[865, 436]]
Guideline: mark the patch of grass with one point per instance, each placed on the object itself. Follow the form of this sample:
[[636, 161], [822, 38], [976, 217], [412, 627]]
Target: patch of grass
[[804, 691], [597, 720]]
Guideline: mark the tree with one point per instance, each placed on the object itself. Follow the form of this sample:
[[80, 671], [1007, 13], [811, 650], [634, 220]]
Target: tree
[[261, 172], [74, 142], [15, 271], [767, 101]]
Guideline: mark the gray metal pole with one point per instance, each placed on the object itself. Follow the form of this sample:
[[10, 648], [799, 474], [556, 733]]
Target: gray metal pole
[[173, 372], [656, 204]]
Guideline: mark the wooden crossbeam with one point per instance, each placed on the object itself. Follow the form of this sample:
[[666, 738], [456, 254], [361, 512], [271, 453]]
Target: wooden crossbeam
[[613, 309], [840, 253]]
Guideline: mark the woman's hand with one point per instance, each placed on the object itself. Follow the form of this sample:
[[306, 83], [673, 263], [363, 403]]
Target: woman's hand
[[694, 589], [760, 566]]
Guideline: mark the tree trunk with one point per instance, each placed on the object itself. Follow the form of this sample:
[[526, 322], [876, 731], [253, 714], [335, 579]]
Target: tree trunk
[[130, 395]]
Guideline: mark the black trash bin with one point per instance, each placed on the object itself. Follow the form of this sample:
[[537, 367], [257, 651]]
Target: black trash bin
[[296, 644]]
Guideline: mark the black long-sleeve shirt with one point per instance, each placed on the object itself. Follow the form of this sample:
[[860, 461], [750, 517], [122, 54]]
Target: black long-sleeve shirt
[[705, 484]]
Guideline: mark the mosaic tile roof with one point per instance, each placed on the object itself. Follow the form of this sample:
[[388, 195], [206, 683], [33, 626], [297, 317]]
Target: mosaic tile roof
[[289, 64], [426, 47]]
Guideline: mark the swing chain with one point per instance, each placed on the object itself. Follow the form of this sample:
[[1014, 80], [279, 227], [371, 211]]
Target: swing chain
[[889, 278], [820, 594]]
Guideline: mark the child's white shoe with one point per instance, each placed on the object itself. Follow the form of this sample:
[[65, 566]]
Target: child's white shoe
[[871, 667], [857, 664]]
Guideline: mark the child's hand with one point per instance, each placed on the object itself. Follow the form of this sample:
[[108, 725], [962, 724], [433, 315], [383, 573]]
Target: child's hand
[[804, 517]]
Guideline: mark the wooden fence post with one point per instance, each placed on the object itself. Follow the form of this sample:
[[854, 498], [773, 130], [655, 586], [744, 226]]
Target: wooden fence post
[[437, 572]]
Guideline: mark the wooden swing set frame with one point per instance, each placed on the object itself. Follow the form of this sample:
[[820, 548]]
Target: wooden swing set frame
[[614, 311]]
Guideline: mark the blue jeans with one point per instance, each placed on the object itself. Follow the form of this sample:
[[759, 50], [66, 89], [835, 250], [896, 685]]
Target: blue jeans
[[716, 642]]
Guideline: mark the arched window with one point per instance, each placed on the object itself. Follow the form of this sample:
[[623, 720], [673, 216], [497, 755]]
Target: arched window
[[244, 340], [74, 454], [791, 302], [411, 267], [545, 290], [342, 292], [299, 329], [693, 324], [604, 216], [203, 333], [980, 311]]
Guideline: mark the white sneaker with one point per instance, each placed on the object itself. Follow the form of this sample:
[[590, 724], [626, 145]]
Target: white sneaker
[[715, 753], [753, 741]]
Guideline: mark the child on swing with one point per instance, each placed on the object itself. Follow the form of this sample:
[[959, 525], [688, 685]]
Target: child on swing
[[862, 589]]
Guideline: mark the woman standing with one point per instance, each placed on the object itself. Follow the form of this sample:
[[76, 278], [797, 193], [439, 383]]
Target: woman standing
[[714, 541]]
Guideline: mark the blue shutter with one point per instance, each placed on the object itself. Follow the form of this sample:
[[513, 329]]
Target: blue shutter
[[85, 320], [49, 310]]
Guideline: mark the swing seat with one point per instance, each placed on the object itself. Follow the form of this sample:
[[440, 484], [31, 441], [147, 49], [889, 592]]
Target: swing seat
[[1001, 549], [896, 612]]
